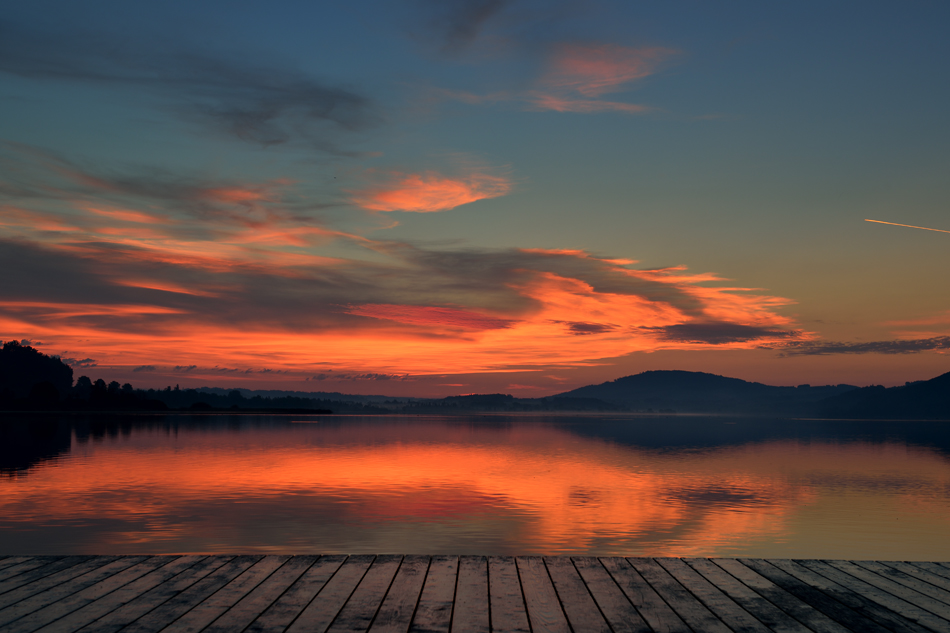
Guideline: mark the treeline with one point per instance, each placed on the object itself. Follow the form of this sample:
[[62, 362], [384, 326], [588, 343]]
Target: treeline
[[176, 398], [33, 381]]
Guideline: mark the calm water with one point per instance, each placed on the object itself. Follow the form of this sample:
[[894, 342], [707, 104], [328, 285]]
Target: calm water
[[480, 484]]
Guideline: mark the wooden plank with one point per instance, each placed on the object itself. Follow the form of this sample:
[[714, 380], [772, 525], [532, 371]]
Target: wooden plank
[[875, 594], [321, 611], [686, 605], [33, 562], [434, 611], [939, 569], [280, 614], [172, 566], [654, 610], [817, 599], [62, 600], [395, 614], [181, 603], [505, 599], [619, 612], [358, 612], [10, 561], [770, 604], [903, 592], [845, 595], [932, 570], [579, 606], [35, 595], [732, 614], [248, 608], [471, 596], [907, 580], [40, 569], [157, 596], [212, 607], [544, 609]]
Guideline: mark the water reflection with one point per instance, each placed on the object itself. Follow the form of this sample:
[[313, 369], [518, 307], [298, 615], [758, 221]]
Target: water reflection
[[632, 486]]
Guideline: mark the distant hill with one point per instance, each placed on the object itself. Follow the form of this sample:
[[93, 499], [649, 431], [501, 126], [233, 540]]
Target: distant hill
[[699, 392], [926, 399]]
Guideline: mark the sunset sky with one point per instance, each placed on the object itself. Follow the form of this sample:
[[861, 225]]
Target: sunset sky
[[422, 197]]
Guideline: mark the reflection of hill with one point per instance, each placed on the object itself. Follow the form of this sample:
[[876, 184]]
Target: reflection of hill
[[30, 442], [698, 392], [684, 432]]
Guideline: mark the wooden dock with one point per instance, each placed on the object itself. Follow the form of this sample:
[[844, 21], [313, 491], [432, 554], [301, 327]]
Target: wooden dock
[[526, 594]]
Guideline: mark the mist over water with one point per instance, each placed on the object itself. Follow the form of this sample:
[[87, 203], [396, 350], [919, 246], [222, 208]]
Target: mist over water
[[630, 485]]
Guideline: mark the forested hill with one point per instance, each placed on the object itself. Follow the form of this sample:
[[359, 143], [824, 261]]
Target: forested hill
[[925, 399], [698, 392]]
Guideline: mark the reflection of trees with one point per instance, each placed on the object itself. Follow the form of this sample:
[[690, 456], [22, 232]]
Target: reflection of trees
[[26, 444]]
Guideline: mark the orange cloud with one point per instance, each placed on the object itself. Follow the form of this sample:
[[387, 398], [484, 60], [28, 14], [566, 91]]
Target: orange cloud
[[593, 70], [127, 215], [577, 75], [430, 192], [431, 316]]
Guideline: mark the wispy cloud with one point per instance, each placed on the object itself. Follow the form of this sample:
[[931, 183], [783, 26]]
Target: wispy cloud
[[824, 348], [431, 316], [455, 24], [429, 192], [592, 70], [577, 76], [719, 333], [247, 100], [560, 103], [369, 376]]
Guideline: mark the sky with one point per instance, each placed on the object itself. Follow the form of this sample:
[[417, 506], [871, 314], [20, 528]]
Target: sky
[[425, 198]]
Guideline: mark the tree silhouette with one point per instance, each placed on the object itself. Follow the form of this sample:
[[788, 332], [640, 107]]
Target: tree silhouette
[[22, 368]]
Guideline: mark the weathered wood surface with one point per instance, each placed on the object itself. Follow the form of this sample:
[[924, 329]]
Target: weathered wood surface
[[426, 594]]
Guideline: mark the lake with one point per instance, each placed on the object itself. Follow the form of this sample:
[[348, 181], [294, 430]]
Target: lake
[[480, 484]]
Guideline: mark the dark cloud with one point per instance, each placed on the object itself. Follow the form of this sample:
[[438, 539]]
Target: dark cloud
[[77, 362], [462, 272], [144, 368], [249, 101], [581, 328], [822, 348], [362, 377], [184, 369], [28, 342], [455, 24], [718, 333], [31, 176]]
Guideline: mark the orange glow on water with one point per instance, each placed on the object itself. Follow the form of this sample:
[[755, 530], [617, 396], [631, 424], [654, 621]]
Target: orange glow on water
[[546, 489]]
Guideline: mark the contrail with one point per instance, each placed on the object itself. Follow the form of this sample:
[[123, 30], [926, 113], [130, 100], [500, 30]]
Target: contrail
[[910, 226]]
